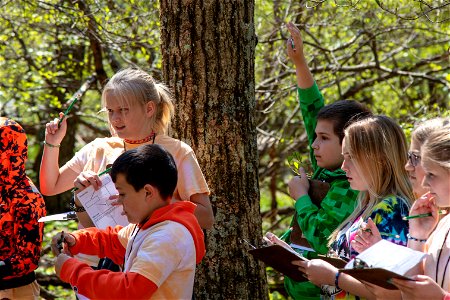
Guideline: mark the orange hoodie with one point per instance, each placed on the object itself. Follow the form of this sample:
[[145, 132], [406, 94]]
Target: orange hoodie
[[105, 284]]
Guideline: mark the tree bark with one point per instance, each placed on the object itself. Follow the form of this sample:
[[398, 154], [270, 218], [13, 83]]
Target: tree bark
[[208, 50]]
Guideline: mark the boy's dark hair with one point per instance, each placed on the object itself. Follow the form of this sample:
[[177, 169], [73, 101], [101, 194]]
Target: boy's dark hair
[[342, 113], [147, 164]]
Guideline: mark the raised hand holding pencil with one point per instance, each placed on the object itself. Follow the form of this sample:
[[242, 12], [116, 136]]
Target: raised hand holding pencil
[[56, 129]]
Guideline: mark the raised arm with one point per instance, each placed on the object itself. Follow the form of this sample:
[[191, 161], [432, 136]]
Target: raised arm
[[303, 74], [52, 179]]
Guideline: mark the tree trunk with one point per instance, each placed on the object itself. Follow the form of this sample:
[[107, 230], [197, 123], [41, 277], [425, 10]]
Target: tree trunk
[[208, 52]]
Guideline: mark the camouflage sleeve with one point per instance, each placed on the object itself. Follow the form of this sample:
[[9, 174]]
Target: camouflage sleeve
[[311, 101], [317, 223], [27, 239]]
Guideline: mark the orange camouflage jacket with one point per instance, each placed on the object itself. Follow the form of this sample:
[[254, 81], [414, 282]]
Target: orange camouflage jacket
[[21, 205]]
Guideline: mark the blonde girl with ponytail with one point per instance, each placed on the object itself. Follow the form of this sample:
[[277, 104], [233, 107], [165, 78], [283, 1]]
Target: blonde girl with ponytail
[[139, 111]]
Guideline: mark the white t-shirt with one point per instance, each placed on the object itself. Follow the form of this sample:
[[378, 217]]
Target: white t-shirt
[[165, 254]]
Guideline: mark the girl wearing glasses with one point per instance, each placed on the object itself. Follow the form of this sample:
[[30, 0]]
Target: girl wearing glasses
[[418, 137], [435, 283]]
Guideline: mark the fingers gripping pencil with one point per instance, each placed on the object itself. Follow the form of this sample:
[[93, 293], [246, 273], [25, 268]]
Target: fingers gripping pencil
[[77, 96]]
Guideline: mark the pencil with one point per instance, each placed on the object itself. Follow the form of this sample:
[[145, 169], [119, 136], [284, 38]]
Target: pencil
[[383, 233], [440, 212], [99, 174], [66, 112], [77, 96]]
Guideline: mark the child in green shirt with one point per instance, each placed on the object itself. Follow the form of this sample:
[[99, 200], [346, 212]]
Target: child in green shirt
[[324, 126]]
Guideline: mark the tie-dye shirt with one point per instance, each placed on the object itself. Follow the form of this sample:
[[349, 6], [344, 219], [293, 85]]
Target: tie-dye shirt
[[388, 217]]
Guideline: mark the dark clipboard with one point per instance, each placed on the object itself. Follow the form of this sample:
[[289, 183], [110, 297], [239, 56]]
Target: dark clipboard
[[377, 276], [280, 259], [317, 191]]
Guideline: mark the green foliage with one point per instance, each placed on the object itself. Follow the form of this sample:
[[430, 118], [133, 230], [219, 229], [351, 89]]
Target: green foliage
[[391, 55]]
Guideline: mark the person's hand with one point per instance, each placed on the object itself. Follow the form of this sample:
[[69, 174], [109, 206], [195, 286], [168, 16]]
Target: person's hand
[[115, 200], [54, 134], [421, 228], [317, 271], [295, 54], [423, 287], [272, 239], [61, 242], [367, 235], [59, 262], [85, 179], [299, 185], [382, 293]]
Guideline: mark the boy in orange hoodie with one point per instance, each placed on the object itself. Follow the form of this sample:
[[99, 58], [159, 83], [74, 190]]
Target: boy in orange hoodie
[[158, 251]]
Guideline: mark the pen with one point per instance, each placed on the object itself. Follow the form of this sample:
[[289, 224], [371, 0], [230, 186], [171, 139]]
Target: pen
[[383, 233], [77, 96], [99, 174], [440, 212]]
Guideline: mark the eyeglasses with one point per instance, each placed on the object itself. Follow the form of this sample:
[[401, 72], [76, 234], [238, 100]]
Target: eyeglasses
[[413, 159]]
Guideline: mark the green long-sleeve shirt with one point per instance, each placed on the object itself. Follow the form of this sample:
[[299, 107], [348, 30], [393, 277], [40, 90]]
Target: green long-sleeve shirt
[[317, 223]]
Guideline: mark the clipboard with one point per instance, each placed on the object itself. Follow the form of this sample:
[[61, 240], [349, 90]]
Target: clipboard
[[280, 259], [377, 276]]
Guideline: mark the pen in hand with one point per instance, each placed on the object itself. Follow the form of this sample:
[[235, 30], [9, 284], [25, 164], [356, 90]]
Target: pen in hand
[[59, 243], [440, 212], [99, 174]]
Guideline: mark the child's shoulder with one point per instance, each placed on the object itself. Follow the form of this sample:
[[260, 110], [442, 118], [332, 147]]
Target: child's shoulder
[[174, 146], [392, 202]]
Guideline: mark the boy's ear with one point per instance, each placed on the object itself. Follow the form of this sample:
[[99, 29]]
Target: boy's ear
[[149, 191]]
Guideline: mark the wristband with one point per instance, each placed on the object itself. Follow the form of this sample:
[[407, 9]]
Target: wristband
[[415, 239], [336, 279], [51, 145], [74, 207]]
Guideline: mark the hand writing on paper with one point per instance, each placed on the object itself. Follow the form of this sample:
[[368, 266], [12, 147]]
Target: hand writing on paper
[[423, 287], [367, 235], [86, 179]]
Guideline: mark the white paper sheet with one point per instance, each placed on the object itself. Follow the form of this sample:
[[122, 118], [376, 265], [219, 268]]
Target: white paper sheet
[[389, 256], [98, 206]]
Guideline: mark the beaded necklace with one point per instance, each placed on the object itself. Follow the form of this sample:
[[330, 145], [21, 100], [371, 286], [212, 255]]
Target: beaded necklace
[[151, 137], [142, 141]]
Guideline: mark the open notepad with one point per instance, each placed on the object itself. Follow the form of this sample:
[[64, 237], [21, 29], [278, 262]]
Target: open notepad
[[383, 261], [98, 206]]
